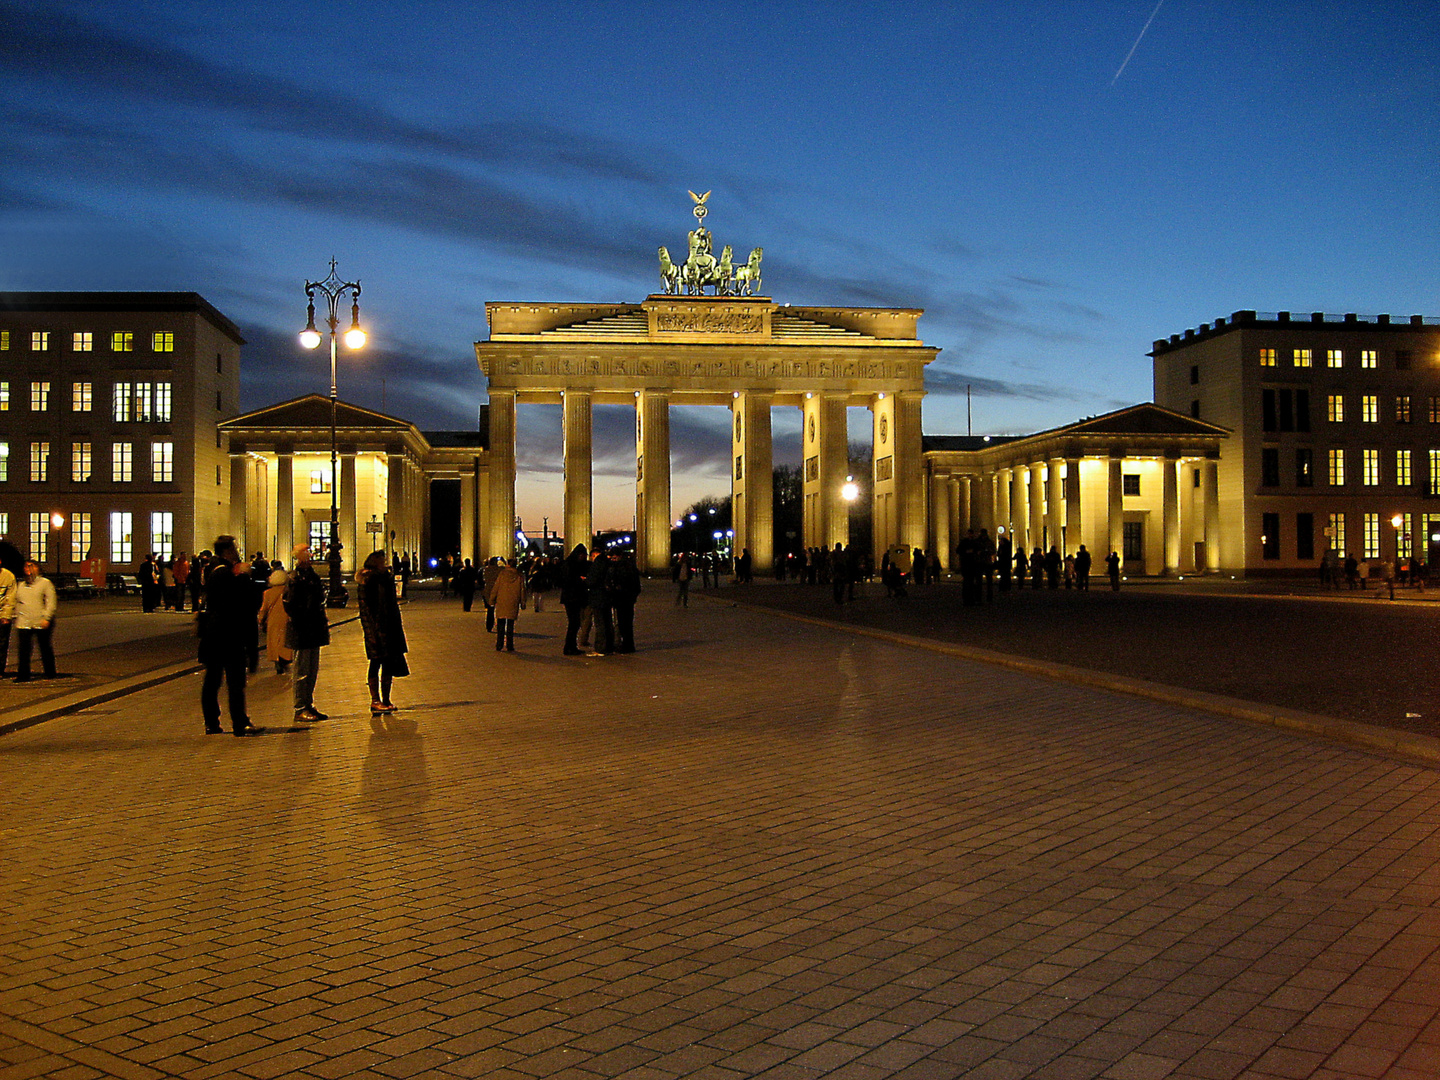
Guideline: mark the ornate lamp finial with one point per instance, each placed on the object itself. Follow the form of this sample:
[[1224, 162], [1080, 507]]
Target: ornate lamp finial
[[700, 210]]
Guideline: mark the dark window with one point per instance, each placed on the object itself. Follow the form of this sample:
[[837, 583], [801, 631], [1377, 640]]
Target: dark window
[[1304, 536], [1196, 474], [1402, 359], [218, 406], [1270, 467], [1287, 410], [1302, 410], [1194, 374], [1268, 421], [1304, 468], [1131, 482], [219, 363], [1195, 409], [1270, 535], [1132, 538]]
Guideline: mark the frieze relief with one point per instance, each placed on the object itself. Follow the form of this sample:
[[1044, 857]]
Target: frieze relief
[[733, 369], [709, 322]]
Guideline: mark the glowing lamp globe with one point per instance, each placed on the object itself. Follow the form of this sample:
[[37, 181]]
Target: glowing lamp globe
[[355, 338], [310, 337]]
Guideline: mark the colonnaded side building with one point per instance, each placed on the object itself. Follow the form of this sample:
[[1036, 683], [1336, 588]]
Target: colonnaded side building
[[1271, 440]]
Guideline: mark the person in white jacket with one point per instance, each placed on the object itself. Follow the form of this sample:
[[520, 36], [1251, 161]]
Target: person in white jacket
[[7, 615], [34, 619]]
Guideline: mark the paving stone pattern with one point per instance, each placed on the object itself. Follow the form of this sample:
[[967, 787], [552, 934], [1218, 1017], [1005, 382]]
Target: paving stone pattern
[[755, 848]]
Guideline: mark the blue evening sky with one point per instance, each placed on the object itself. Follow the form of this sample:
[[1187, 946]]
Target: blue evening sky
[[978, 160]]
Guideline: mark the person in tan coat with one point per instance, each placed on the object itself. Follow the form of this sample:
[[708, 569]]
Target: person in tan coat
[[273, 622], [507, 596]]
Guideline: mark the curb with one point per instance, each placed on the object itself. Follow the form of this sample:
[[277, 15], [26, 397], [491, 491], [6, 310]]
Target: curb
[[1417, 749], [84, 699]]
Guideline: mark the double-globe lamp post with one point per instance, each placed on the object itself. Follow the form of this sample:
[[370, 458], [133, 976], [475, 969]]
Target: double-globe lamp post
[[333, 289]]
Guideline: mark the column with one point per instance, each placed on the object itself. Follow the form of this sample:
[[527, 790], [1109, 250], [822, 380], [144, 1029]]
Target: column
[[1116, 491], [468, 487], [579, 524], [1171, 516], [285, 504], [827, 517], [1073, 535], [964, 511], [752, 486], [394, 500], [239, 490], [1054, 506], [1210, 486], [1037, 504], [982, 503], [652, 481], [941, 542], [349, 554], [500, 521], [1019, 516], [909, 470], [422, 514], [1003, 483]]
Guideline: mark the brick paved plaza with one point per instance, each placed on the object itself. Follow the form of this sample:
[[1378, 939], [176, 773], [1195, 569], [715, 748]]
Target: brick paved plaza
[[755, 848]]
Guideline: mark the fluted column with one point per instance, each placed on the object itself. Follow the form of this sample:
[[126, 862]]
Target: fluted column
[[500, 522], [1003, 484], [1037, 504], [1209, 482], [348, 554], [285, 504], [1019, 512], [964, 511], [1074, 537], [940, 517], [579, 524], [652, 481], [239, 492], [827, 516], [394, 501], [909, 470], [1171, 516], [1116, 491], [752, 479]]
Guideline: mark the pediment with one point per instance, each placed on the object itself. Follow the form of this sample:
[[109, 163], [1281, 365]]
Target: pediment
[[313, 411]]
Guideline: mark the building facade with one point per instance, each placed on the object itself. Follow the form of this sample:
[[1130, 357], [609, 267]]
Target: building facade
[[109, 405], [1335, 433]]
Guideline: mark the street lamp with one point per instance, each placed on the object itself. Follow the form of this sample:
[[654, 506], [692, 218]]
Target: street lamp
[[333, 289], [57, 522]]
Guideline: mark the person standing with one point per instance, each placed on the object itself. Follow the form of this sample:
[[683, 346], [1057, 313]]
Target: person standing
[[839, 576], [34, 619], [385, 645], [625, 581], [574, 595], [1082, 569], [683, 574], [309, 631], [7, 614], [507, 596], [465, 579], [487, 582], [598, 587], [227, 639], [274, 622], [181, 571], [1112, 564], [149, 584]]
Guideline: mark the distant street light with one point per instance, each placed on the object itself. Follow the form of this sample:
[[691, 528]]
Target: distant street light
[[333, 288]]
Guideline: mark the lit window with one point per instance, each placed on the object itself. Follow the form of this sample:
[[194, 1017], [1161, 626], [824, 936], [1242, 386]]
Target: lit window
[[1372, 536], [162, 462], [1267, 357], [144, 402], [4, 522], [4, 397], [1402, 468], [39, 462], [80, 462], [1370, 473], [121, 411], [1335, 408], [79, 537], [82, 341], [1405, 540], [162, 341], [1337, 468], [319, 481], [1367, 358], [4, 340], [39, 535], [1369, 409], [122, 341], [122, 550], [163, 399], [1334, 358], [1402, 409], [1434, 488], [162, 534], [4, 467], [319, 537], [1337, 532], [1302, 358], [82, 396], [122, 462], [39, 396], [40, 341]]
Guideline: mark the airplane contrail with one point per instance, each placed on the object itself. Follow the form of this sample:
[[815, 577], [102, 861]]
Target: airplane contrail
[[1137, 42]]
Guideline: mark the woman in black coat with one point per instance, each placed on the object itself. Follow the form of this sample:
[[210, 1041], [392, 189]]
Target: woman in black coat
[[385, 646], [574, 594]]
